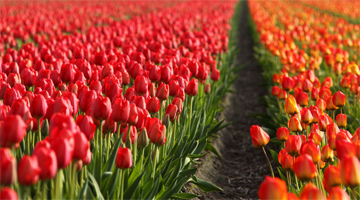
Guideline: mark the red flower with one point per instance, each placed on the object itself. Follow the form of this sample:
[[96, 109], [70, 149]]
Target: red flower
[[8, 193], [38, 106], [293, 144], [47, 162], [192, 87], [120, 110], [123, 158], [81, 145], [272, 188], [13, 130], [153, 105], [28, 170], [101, 108], [141, 85], [304, 168], [162, 92], [258, 136], [7, 167]]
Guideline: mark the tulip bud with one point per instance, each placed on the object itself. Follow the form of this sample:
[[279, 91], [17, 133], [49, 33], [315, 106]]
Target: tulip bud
[[81, 145], [311, 149], [38, 106], [306, 116], [8, 193], [28, 170], [345, 82], [101, 108], [287, 162], [272, 188], [339, 99], [258, 136], [315, 137], [327, 154], [153, 105], [307, 85], [311, 192], [332, 176], [141, 85], [64, 151], [192, 87], [162, 92], [13, 130], [45, 128], [133, 134], [350, 171], [215, 75], [321, 104], [143, 140], [330, 103], [337, 193], [282, 95], [323, 122], [287, 83], [120, 110], [282, 134], [302, 98], [304, 168], [315, 94], [341, 120], [133, 115], [47, 162], [123, 158], [291, 106], [293, 145], [344, 148], [294, 124], [7, 167], [275, 91], [86, 125]]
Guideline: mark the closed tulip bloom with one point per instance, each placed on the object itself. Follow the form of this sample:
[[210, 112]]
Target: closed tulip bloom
[[28, 170], [153, 105], [282, 134], [339, 99], [157, 134], [7, 167], [293, 145], [291, 106], [171, 111], [86, 125], [311, 149], [330, 103], [294, 124], [304, 168], [63, 105], [67, 73], [341, 120], [288, 83], [345, 82], [307, 85], [47, 162], [302, 99], [162, 92], [166, 73], [120, 110], [154, 73], [8, 193], [332, 176], [306, 115], [323, 122], [311, 192], [321, 104], [357, 148], [19, 107], [133, 116], [192, 87], [258, 136], [215, 75], [141, 85], [282, 95], [173, 87], [101, 108], [327, 154], [281, 154], [272, 188], [123, 158], [64, 151], [337, 193], [287, 162], [315, 94], [275, 91], [38, 106], [81, 145], [344, 148], [315, 112], [62, 121], [315, 137], [13, 130], [87, 99], [28, 76], [350, 171]]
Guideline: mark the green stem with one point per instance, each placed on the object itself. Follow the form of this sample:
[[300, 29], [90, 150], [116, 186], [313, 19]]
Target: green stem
[[155, 162], [108, 144], [39, 129], [272, 171], [121, 184], [296, 180]]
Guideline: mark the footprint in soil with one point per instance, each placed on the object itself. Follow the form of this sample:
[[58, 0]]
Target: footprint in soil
[[242, 168]]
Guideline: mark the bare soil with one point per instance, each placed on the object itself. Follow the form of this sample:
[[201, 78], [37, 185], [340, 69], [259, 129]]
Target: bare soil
[[242, 168]]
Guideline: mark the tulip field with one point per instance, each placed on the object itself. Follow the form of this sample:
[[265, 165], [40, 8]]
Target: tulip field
[[121, 99]]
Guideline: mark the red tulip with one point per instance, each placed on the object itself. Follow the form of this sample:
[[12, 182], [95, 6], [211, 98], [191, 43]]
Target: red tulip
[[86, 100], [341, 120], [13, 130], [282, 134], [141, 85], [156, 131], [63, 105], [311, 192], [275, 91], [7, 167], [101, 108], [28, 170], [120, 110], [215, 75], [287, 162], [192, 87], [47, 162], [133, 134], [81, 146], [133, 116], [19, 107], [64, 151], [350, 171], [207, 88], [258, 136], [290, 106], [272, 188], [304, 168], [171, 111], [173, 87], [337, 193], [311, 149], [67, 72], [162, 92], [153, 105], [339, 99], [287, 83], [293, 145], [332, 176], [123, 158], [38, 106], [8, 193]]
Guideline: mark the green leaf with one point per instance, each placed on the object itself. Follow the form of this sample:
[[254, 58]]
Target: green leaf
[[184, 196], [130, 190], [96, 186], [196, 155], [274, 155], [205, 186], [210, 147]]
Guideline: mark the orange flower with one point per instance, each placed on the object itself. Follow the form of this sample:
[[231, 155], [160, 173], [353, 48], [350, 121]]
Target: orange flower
[[350, 171], [287, 162], [293, 144], [337, 193], [258, 136], [327, 154], [339, 99], [304, 168], [306, 116], [332, 176], [341, 120], [311, 149], [282, 134], [273, 188], [311, 192], [294, 124], [291, 106]]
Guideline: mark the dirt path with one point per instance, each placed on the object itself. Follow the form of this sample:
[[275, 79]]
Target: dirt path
[[242, 168]]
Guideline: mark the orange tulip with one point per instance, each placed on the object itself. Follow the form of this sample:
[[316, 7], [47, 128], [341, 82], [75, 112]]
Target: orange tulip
[[337, 193], [327, 154], [332, 176], [293, 145], [294, 124], [282, 134], [339, 99], [306, 116], [350, 171], [304, 168], [273, 188], [311, 192], [291, 106], [311, 149], [258, 136], [341, 120]]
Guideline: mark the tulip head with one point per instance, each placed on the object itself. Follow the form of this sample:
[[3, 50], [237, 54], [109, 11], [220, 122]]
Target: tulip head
[[272, 188], [258, 136]]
